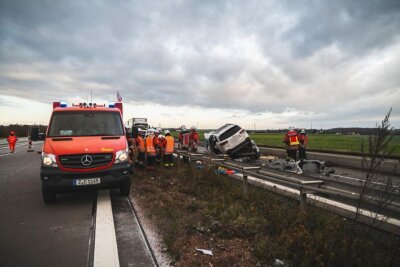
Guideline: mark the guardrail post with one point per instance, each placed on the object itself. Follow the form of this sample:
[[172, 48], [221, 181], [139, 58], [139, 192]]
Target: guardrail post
[[245, 186], [303, 199]]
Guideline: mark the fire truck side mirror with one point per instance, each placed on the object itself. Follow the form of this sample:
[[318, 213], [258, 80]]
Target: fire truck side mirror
[[135, 132], [34, 133]]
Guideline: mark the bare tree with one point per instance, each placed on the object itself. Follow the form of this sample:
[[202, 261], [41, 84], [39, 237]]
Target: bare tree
[[376, 188]]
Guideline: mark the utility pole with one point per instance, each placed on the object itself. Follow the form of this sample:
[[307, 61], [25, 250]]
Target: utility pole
[[91, 96]]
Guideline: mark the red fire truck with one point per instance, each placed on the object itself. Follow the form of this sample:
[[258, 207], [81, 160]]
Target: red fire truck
[[85, 146]]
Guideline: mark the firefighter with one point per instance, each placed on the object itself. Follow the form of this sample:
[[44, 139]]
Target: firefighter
[[12, 140], [291, 140], [140, 144], [168, 145], [303, 142], [157, 144], [184, 137], [150, 150], [193, 139]]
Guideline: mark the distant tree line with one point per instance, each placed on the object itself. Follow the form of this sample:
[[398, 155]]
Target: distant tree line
[[21, 130], [344, 131]]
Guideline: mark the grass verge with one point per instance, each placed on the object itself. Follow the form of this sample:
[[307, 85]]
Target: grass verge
[[196, 208]]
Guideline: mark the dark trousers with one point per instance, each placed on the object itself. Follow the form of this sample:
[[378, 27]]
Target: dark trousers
[[151, 161], [292, 153], [302, 153], [141, 156], [168, 160]]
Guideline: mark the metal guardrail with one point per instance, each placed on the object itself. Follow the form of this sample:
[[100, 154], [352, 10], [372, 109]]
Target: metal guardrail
[[315, 187]]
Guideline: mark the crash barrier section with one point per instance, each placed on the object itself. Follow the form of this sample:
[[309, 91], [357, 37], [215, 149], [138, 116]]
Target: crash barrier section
[[390, 166], [304, 191]]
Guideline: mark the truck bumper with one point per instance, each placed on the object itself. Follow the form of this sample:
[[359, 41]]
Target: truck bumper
[[57, 180]]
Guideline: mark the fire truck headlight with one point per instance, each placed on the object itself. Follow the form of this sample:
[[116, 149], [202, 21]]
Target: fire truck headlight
[[49, 160], [121, 156]]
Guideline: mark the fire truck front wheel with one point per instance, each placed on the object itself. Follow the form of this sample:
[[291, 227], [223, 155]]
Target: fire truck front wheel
[[48, 195]]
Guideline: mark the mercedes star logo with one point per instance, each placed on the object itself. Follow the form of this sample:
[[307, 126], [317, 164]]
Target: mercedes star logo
[[86, 160]]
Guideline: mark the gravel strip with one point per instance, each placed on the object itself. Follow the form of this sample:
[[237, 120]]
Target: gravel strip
[[153, 237]]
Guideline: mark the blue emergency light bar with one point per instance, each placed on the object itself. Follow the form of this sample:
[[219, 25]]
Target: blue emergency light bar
[[63, 104], [111, 104]]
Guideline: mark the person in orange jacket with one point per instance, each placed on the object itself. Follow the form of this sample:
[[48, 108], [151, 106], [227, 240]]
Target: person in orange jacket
[[157, 144], [140, 144], [303, 140], [12, 140], [193, 139], [150, 150], [184, 137], [168, 144], [291, 140]]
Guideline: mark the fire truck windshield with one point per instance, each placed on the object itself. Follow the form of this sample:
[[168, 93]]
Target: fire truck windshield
[[85, 123]]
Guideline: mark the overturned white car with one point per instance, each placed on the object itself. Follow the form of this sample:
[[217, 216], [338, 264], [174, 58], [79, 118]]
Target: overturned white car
[[233, 141]]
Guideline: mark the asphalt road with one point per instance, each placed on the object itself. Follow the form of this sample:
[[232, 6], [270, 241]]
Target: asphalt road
[[35, 234], [62, 233]]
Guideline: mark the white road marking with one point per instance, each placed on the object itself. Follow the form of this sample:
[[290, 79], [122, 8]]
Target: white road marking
[[105, 246]]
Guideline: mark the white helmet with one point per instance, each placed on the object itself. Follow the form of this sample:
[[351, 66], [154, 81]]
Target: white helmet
[[166, 132], [160, 136], [158, 130], [150, 131], [303, 131], [193, 128], [183, 128], [291, 128]]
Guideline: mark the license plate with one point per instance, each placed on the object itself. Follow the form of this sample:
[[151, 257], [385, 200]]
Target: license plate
[[89, 181]]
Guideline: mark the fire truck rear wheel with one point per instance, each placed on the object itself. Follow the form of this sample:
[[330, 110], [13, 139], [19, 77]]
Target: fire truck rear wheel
[[48, 195], [125, 189]]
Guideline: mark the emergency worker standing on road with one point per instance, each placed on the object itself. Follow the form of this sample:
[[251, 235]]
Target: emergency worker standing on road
[[291, 140], [193, 139], [12, 140], [303, 140], [150, 150], [168, 144], [140, 144]]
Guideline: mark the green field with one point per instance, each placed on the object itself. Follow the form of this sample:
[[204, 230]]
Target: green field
[[340, 143]]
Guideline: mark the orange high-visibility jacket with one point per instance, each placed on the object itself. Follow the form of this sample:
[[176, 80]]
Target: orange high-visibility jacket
[[194, 137], [140, 143], [170, 144], [151, 151], [291, 138], [303, 140], [12, 139], [185, 140]]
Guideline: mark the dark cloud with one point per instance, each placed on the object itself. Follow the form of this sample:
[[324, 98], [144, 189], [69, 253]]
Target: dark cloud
[[316, 57]]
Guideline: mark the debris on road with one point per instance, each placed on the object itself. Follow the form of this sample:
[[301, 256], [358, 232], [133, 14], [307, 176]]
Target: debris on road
[[205, 251]]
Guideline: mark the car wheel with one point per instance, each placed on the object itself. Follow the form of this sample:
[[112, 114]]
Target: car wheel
[[48, 195], [125, 189]]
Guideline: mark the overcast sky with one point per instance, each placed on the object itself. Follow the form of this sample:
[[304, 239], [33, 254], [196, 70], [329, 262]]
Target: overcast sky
[[263, 64]]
